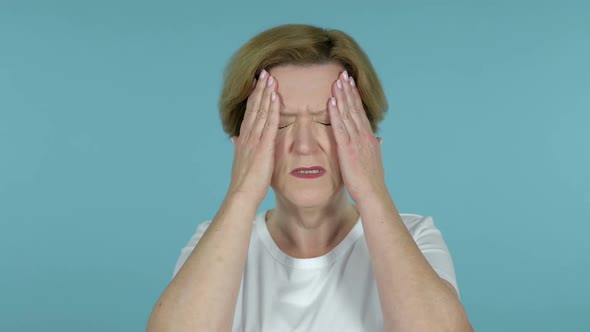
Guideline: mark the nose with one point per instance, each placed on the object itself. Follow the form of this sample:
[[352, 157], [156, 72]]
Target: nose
[[305, 140]]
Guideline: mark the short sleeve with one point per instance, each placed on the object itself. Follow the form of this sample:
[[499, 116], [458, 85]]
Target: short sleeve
[[192, 243], [432, 245]]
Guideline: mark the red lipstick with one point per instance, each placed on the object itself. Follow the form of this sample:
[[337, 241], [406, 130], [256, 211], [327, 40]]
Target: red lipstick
[[308, 172]]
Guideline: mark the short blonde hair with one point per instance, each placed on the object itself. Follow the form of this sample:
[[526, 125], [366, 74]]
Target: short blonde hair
[[297, 44]]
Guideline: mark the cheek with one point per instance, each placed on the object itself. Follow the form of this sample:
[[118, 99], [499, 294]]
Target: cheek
[[280, 155], [279, 146]]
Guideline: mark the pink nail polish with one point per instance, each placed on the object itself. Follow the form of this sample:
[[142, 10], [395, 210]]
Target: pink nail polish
[[345, 74], [270, 80], [352, 81], [262, 74], [333, 100], [339, 83]]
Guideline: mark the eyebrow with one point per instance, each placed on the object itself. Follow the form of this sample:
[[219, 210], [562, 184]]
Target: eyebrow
[[283, 113]]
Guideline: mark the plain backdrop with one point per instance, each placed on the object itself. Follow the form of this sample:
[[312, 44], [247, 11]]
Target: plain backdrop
[[112, 152]]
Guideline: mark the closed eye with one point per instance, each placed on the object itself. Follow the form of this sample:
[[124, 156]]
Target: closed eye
[[322, 123], [285, 126]]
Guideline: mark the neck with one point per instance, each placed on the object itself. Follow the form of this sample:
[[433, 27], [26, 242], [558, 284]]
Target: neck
[[305, 232]]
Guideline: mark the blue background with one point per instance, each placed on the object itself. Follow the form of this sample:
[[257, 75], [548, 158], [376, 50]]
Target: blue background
[[112, 152]]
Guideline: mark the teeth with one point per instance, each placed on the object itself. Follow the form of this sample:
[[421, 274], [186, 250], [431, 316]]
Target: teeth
[[315, 171]]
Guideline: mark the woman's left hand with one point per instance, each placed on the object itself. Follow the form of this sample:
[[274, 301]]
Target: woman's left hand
[[359, 151]]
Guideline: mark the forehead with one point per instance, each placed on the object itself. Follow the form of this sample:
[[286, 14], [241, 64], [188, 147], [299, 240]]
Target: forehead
[[305, 88]]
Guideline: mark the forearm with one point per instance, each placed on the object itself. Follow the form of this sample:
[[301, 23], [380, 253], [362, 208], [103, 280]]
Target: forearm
[[203, 294], [412, 296]]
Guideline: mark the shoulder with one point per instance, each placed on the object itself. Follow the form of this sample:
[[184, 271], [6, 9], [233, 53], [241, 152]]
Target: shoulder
[[190, 246], [203, 226], [198, 234], [418, 224], [431, 243], [200, 230]]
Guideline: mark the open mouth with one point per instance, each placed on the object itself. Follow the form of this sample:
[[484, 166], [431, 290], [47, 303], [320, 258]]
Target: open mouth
[[308, 172]]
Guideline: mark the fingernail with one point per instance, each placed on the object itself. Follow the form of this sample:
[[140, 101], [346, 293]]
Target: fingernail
[[262, 74], [333, 100], [351, 81], [273, 95], [345, 76], [232, 140], [339, 83], [270, 80]]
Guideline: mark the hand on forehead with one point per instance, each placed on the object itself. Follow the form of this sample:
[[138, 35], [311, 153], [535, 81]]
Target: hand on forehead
[[305, 89]]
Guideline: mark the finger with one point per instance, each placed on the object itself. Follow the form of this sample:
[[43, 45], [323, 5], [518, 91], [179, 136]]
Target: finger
[[272, 121], [262, 114], [342, 105], [253, 103], [355, 106], [358, 105], [338, 127]]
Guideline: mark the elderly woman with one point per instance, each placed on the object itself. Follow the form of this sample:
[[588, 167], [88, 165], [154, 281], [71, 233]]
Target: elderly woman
[[301, 105]]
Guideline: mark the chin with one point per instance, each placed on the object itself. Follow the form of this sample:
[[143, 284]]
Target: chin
[[308, 197]]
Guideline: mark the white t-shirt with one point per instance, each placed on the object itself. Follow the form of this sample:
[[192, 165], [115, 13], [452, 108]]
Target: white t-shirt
[[333, 292]]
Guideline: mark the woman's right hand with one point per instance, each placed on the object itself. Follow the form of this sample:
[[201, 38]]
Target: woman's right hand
[[254, 149]]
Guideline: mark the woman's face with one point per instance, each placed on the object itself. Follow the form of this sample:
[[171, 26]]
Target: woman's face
[[303, 138]]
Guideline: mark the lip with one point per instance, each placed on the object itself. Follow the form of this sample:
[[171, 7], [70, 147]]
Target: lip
[[308, 176]]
